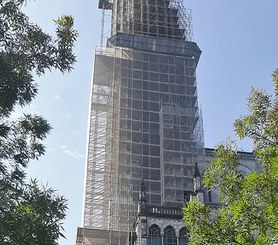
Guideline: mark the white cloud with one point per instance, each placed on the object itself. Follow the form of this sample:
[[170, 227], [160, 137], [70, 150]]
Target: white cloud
[[72, 153], [57, 97]]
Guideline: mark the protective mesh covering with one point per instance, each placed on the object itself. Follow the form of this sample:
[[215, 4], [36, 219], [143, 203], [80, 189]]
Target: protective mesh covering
[[144, 119]]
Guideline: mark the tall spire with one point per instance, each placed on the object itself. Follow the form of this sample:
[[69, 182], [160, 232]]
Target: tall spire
[[142, 193], [196, 171]]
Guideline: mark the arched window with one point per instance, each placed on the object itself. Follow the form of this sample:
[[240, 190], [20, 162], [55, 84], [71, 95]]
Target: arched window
[[154, 237], [241, 174], [169, 236], [184, 237]]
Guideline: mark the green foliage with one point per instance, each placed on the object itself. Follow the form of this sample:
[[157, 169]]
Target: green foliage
[[33, 217], [222, 171], [29, 214], [25, 49], [249, 214]]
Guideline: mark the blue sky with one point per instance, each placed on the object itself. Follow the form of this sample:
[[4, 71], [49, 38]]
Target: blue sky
[[239, 43]]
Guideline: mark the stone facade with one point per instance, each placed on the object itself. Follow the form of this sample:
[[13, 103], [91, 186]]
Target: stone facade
[[164, 217]]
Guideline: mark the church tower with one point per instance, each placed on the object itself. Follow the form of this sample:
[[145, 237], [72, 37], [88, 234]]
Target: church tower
[[145, 131]]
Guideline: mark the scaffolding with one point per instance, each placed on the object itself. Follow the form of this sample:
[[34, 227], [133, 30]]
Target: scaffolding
[[160, 18], [144, 118], [106, 192]]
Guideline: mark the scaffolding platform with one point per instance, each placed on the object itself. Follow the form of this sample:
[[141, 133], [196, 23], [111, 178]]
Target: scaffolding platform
[[105, 4]]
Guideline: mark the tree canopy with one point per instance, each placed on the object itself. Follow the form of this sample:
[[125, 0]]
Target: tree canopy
[[29, 214], [249, 214]]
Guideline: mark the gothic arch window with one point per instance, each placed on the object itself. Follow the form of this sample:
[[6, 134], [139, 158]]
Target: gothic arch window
[[169, 236], [242, 174], [243, 171], [183, 237], [154, 237]]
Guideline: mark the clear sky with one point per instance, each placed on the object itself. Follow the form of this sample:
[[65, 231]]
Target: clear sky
[[239, 40]]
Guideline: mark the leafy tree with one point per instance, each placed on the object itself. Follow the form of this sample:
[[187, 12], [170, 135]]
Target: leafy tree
[[29, 214], [249, 214]]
